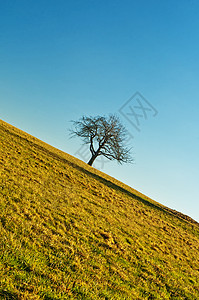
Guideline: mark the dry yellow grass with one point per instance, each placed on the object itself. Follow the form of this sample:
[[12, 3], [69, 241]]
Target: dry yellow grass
[[69, 231]]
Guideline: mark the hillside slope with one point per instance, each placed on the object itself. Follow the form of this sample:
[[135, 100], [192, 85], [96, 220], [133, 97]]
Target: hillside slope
[[68, 231]]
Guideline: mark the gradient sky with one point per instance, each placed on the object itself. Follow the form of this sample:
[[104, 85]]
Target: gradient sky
[[63, 59]]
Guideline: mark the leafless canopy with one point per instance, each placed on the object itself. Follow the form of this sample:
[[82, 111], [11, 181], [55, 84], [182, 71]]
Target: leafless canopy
[[105, 136]]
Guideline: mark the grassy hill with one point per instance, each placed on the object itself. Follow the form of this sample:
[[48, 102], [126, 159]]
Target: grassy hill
[[69, 231]]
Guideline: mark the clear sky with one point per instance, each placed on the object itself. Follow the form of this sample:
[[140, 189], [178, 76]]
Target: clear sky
[[63, 59]]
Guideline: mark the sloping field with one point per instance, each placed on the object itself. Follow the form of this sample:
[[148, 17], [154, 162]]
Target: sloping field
[[68, 231]]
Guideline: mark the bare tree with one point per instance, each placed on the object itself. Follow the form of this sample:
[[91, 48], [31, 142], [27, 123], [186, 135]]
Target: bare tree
[[105, 135]]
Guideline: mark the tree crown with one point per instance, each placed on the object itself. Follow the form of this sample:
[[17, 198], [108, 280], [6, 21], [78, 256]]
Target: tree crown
[[106, 136]]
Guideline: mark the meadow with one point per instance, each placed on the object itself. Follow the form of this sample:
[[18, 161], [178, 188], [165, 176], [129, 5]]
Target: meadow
[[69, 231]]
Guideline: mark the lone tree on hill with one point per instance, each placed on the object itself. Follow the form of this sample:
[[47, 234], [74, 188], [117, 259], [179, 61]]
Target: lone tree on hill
[[105, 135]]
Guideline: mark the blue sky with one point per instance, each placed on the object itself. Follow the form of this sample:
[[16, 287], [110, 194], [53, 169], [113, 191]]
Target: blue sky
[[63, 59]]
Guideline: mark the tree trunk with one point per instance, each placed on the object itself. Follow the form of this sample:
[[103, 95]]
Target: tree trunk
[[92, 160]]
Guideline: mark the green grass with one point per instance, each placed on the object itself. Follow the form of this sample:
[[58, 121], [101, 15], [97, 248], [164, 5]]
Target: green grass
[[68, 231]]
